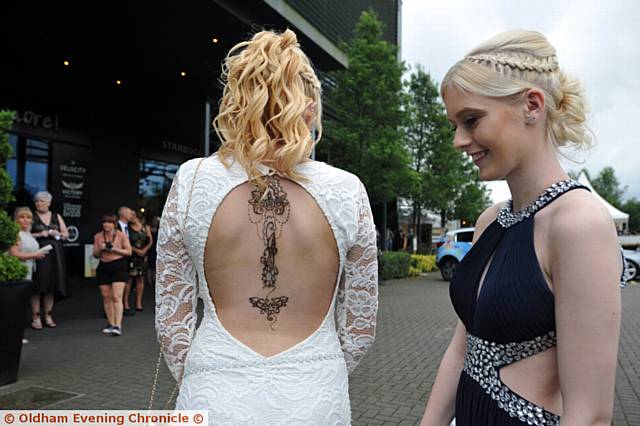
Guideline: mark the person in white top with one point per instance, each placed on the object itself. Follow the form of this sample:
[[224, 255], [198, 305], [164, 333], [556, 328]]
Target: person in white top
[[281, 250], [27, 248]]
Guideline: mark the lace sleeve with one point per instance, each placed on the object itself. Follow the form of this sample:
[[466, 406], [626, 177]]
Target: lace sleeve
[[357, 303], [176, 295]]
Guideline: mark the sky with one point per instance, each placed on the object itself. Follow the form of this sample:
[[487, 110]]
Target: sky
[[597, 41]]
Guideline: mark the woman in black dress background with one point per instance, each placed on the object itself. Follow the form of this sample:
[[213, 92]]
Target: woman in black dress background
[[538, 294], [141, 242], [50, 277]]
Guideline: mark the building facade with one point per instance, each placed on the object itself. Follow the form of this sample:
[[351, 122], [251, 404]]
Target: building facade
[[110, 101]]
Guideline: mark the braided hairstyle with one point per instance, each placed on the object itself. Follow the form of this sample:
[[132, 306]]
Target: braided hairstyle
[[510, 64], [268, 85]]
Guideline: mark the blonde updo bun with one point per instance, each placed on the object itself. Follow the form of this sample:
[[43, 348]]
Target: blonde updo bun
[[513, 62], [268, 84]]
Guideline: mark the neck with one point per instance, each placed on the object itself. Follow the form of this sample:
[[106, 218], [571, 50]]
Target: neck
[[532, 177]]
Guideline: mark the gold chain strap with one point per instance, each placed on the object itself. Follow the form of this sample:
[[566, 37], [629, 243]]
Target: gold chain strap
[[155, 378]]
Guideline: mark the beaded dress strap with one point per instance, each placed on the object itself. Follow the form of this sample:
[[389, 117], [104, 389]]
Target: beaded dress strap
[[507, 217]]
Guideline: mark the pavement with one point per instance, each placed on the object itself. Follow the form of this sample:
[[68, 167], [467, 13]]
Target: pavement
[[75, 367]]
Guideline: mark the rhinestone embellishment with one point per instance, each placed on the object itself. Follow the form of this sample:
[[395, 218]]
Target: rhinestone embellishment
[[507, 217], [484, 359]]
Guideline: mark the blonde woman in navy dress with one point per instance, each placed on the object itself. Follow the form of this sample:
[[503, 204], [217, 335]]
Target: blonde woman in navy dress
[[538, 295]]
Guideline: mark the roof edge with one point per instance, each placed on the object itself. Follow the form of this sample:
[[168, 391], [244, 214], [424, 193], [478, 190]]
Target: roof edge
[[296, 19]]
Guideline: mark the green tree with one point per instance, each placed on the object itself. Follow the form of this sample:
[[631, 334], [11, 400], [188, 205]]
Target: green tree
[[474, 196], [366, 136], [607, 185], [10, 267], [632, 207], [449, 184]]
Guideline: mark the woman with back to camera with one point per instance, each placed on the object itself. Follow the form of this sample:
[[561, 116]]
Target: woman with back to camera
[[538, 295], [112, 247], [276, 245]]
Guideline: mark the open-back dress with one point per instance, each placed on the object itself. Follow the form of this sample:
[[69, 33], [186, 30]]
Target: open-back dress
[[302, 385]]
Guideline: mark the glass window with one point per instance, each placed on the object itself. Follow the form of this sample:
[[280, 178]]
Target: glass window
[[36, 166], [12, 163], [28, 167], [464, 237], [153, 186]]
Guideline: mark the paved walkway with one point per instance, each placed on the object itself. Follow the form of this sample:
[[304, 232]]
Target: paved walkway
[[390, 386]]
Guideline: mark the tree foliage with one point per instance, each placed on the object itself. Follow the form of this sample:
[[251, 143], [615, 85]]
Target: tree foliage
[[10, 267], [449, 183], [632, 207], [607, 185], [366, 136]]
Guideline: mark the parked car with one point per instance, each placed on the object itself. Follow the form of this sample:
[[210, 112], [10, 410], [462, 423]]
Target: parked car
[[451, 248], [632, 258]]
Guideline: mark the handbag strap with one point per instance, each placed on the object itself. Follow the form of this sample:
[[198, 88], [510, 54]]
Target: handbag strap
[[155, 378]]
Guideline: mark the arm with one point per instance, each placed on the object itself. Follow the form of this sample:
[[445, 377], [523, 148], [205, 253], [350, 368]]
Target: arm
[[357, 302], [64, 231], [97, 246], [15, 251], [176, 291], [441, 405], [585, 270], [126, 245], [146, 248]]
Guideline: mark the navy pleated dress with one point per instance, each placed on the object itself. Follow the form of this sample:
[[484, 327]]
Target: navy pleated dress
[[510, 318]]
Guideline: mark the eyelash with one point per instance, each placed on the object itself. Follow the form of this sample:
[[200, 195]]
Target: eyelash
[[470, 122]]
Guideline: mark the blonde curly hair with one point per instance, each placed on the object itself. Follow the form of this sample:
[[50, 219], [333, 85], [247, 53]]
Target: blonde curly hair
[[270, 88], [510, 64]]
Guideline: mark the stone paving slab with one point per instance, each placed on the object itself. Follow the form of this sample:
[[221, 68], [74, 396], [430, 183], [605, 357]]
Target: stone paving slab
[[390, 387]]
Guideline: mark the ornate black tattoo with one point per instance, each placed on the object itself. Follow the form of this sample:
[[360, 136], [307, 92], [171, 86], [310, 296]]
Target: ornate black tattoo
[[269, 208]]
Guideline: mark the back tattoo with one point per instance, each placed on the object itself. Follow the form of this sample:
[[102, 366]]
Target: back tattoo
[[269, 211]]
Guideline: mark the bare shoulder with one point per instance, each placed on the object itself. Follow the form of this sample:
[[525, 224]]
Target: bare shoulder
[[578, 215], [487, 218]]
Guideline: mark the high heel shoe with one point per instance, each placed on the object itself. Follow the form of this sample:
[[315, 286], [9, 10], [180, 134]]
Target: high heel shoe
[[48, 320], [36, 322]]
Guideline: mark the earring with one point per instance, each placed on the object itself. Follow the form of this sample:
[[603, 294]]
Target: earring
[[529, 119]]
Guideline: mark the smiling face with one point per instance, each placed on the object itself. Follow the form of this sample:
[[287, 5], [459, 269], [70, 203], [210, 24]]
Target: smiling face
[[490, 130], [24, 220]]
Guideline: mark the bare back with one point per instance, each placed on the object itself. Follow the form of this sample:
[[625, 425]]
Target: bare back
[[271, 299]]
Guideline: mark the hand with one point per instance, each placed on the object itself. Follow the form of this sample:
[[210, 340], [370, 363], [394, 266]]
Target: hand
[[39, 255]]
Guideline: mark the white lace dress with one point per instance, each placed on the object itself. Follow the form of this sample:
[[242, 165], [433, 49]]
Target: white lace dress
[[306, 384]]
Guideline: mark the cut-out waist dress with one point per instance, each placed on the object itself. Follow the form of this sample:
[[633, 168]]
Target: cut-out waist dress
[[509, 317]]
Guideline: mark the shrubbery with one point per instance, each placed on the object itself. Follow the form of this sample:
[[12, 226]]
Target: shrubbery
[[10, 268], [424, 263], [395, 264]]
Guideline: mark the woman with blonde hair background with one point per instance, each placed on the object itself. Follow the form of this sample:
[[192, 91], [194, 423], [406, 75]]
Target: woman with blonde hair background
[[538, 295], [27, 248], [276, 245]]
